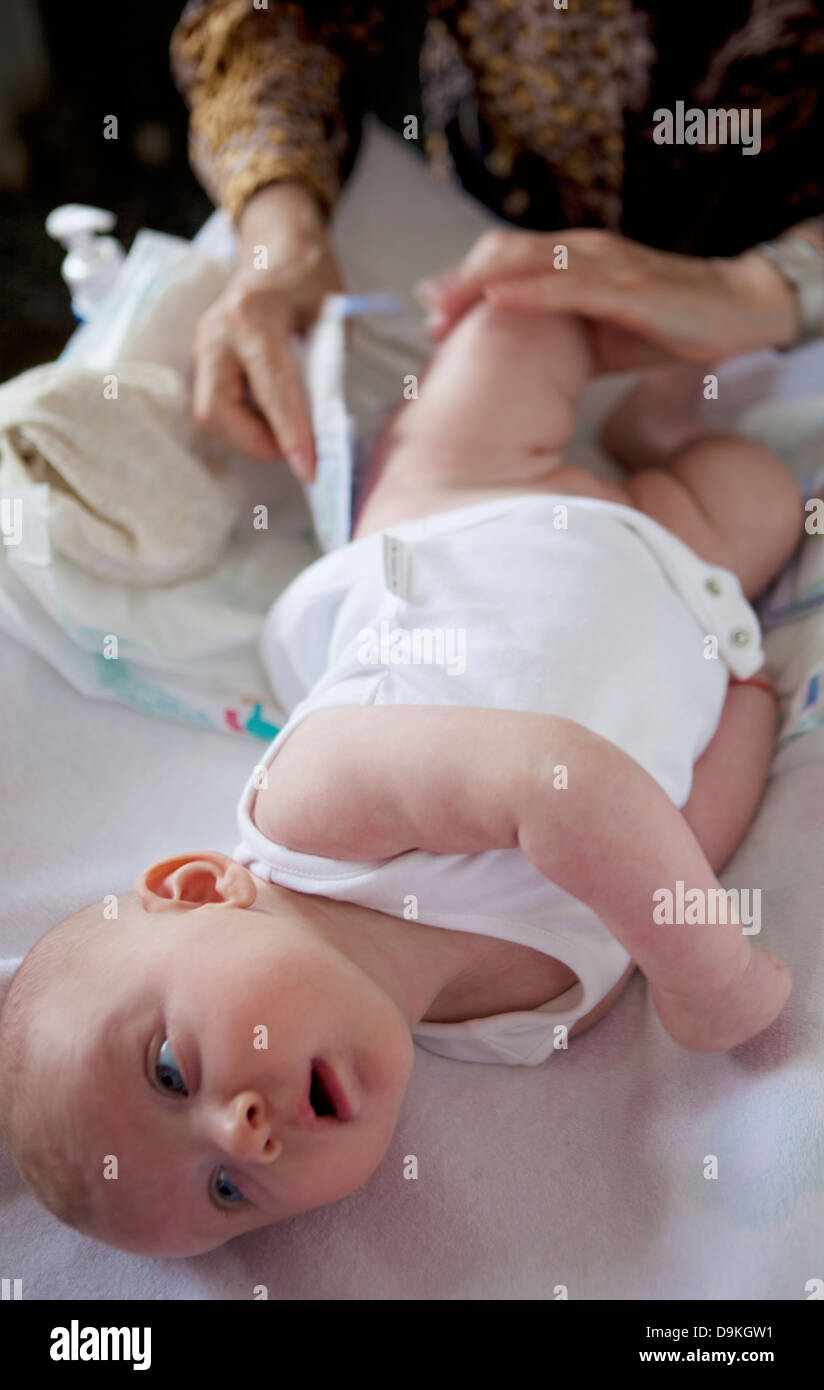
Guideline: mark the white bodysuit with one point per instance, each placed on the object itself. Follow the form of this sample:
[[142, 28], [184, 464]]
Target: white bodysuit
[[549, 603]]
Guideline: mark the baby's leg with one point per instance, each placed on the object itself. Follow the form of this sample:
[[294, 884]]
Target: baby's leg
[[496, 406], [659, 415], [502, 384], [729, 778], [732, 501]]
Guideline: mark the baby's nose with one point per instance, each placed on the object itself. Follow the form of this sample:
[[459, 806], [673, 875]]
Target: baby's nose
[[252, 1132]]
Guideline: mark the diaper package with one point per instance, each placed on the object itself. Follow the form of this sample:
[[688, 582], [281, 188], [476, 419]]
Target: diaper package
[[340, 448]]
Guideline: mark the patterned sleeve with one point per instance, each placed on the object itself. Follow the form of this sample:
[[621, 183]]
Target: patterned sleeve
[[270, 92]]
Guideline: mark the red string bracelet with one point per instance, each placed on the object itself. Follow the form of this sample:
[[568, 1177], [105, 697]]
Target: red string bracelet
[[753, 680]]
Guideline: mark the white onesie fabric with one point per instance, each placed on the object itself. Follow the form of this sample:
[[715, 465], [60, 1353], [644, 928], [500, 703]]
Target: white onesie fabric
[[568, 605]]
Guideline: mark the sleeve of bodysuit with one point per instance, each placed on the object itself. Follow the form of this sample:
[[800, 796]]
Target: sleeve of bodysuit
[[273, 93]]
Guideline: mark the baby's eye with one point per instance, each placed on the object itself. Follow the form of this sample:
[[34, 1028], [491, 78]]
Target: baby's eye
[[226, 1190], [166, 1069]]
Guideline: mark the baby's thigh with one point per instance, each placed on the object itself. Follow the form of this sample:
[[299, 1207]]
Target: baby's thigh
[[501, 386], [733, 502], [495, 406]]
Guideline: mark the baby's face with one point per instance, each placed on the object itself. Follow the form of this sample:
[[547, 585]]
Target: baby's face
[[192, 1039]]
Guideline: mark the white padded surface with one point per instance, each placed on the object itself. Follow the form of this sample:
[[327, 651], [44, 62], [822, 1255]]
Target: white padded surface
[[587, 1172]]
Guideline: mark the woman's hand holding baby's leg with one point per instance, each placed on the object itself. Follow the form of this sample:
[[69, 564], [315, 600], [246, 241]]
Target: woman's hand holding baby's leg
[[496, 406], [502, 387]]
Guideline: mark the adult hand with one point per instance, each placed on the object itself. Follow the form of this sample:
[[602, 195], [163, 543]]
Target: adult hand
[[643, 305], [247, 385]]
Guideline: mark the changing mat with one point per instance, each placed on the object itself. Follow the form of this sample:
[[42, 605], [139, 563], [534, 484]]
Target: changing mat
[[587, 1179]]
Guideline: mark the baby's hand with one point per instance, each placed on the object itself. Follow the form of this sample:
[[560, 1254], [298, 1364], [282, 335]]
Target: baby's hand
[[712, 1020]]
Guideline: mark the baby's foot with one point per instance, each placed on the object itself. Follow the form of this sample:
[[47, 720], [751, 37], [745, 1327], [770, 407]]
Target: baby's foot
[[656, 417], [715, 1021]]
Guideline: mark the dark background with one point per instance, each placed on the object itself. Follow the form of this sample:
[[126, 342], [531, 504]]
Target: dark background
[[64, 66], [100, 59], [67, 64]]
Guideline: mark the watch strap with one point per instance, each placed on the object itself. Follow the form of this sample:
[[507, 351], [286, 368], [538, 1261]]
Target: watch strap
[[802, 266]]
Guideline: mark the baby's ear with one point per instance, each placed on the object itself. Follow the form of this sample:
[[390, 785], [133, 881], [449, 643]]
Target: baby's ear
[[190, 880]]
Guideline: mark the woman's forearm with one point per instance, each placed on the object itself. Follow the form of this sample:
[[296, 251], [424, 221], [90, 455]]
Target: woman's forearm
[[280, 216], [645, 307], [264, 98], [775, 298], [812, 229]]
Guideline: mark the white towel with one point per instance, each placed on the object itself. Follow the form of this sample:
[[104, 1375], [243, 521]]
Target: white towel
[[128, 500]]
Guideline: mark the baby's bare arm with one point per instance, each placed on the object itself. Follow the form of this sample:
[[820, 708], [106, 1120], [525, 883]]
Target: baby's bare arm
[[373, 783]]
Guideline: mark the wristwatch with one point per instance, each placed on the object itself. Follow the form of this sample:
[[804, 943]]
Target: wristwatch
[[802, 265]]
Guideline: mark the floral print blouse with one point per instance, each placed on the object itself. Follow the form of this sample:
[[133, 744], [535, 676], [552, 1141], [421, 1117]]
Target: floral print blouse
[[551, 116]]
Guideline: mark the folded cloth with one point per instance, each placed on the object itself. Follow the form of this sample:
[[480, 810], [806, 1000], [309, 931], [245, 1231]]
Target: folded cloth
[[128, 500]]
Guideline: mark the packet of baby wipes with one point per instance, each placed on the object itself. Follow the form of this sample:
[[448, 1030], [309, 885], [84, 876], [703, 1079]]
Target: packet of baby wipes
[[330, 495]]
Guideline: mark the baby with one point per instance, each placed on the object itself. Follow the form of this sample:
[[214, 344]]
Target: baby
[[513, 730]]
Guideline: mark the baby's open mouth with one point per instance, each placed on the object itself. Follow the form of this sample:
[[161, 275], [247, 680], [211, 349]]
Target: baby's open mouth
[[326, 1095]]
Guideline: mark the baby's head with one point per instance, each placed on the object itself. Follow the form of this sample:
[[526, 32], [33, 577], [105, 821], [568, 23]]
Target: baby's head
[[167, 1076]]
